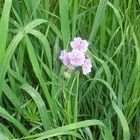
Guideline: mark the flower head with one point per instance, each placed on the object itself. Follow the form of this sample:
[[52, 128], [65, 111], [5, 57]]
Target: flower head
[[86, 67], [76, 58], [65, 59], [79, 44]]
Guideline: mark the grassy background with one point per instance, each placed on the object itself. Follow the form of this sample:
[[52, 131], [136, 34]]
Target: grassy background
[[41, 99]]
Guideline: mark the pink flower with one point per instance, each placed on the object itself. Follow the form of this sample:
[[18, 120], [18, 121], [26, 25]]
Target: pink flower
[[63, 55], [65, 59], [77, 58], [79, 44], [86, 67]]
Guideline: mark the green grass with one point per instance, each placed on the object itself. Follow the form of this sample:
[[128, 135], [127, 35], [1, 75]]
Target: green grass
[[41, 99]]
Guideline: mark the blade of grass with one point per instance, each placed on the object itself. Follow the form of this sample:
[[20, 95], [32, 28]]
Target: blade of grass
[[28, 7], [6, 131], [4, 114], [74, 17], [35, 7], [106, 69], [16, 6], [112, 93], [3, 137], [38, 74], [114, 23], [11, 48], [46, 121], [46, 5], [98, 18], [103, 32], [16, 75], [126, 133], [68, 128], [117, 14], [71, 133], [46, 45], [11, 96], [64, 18], [4, 23]]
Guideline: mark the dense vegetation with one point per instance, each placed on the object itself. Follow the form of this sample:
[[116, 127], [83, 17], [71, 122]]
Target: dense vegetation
[[41, 99]]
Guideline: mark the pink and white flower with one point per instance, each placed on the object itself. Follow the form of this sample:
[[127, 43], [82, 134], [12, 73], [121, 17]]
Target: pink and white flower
[[86, 67], [79, 44], [76, 58], [65, 59]]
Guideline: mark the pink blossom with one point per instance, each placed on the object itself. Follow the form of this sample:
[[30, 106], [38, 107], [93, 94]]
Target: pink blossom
[[86, 67], [79, 44], [77, 58], [63, 55], [65, 59]]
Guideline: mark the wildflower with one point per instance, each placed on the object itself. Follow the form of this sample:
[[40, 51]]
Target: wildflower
[[65, 59], [86, 67], [79, 44], [63, 55], [76, 58]]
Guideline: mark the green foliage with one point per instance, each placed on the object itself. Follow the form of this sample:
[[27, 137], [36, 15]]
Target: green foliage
[[41, 99]]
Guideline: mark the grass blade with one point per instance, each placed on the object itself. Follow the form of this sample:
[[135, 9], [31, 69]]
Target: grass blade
[[6, 131], [64, 18], [46, 45], [98, 18], [11, 96], [4, 23], [46, 121], [126, 133], [38, 74], [68, 128], [4, 114], [12, 46]]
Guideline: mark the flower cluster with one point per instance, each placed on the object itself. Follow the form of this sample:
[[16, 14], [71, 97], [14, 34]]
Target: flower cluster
[[77, 56]]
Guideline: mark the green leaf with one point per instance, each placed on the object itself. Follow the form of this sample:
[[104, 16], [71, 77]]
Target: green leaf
[[46, 121], [63, 129], [12, 46], [11, 96], [6, 131], [38, 74], [4, 23], [126, 133], [4, 114], [98, 18], [64, 18]]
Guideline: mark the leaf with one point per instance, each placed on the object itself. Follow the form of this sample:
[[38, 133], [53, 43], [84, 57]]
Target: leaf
[[4, 23], [4, 114], [12, 46], [11, 96], [98, 18], [38, 74], [126, 133], [46, 121], [64, 18], [45, 45], [6, 131], [66, 128]]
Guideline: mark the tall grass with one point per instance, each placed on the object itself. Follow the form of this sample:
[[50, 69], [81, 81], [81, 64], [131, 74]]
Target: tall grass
[[41, 99]]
